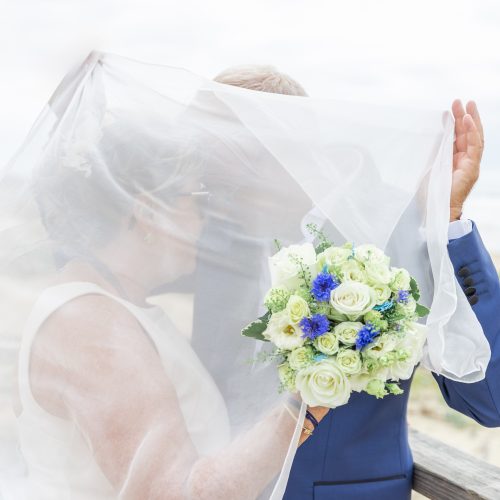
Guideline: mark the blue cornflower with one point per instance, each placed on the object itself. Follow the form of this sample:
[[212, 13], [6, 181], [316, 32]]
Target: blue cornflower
[[403, 296], [323, 284], [366, 335], [315, 326], [383, 307]]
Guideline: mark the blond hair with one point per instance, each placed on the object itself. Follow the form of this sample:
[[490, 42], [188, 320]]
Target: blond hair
[[262, 77]]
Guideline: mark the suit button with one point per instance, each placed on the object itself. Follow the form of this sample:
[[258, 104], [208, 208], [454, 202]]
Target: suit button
[[473, 300], [464, 271], [470, 291], [468, 281]]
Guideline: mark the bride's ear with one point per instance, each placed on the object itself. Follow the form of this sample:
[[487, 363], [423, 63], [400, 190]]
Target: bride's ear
[[143, 214]]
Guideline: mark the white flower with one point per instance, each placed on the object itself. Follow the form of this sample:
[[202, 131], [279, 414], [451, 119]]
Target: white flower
[[328, 343], [323, 384], [383, 293], [333, 256], [353, 299], [351, 270], [297, 308], [348, 331], [380, 346], [408, 307], [412, 343], [378, 273], [371, 253], [400, 279], [285, 271], [282, 332], [349, 360], [300, 357]]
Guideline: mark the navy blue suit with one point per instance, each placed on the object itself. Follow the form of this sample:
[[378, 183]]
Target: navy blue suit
[[361, 450]]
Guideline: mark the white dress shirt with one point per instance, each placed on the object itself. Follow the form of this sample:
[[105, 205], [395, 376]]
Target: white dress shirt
[[459, 228]]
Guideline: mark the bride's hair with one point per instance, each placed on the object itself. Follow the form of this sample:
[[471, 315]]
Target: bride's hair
[[97, 174], [263, 77]]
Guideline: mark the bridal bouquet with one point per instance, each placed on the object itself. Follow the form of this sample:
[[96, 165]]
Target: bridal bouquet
[[341, 319]]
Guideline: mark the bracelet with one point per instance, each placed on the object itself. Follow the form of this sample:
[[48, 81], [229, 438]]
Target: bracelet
[[312, 419]]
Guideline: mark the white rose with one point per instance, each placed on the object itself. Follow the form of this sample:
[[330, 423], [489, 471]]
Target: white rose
[[371, 253], [282, 332], [349, 360], [412, 343], [353, 299], [408, 307], [333, 256], [323, 384], [383, 293], [284, 268], [381, 345], [300, 357], [327, 343], [352, 270], [297, 308], [400, 279], [348, 331], [378, 273]]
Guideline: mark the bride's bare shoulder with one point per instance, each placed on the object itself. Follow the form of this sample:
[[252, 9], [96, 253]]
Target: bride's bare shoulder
[[88, 338], [90, 316]]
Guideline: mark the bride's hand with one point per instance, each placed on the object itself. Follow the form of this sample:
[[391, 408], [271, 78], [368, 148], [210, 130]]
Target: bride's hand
[[318, 412]]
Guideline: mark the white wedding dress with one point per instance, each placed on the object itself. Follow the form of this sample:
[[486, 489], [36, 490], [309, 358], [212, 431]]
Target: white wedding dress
[[59, 460]]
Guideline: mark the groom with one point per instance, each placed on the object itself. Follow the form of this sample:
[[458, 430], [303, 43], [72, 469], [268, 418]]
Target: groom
[[360, 450]]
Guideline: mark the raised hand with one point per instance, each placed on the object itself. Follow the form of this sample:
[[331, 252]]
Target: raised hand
[[467, 152]]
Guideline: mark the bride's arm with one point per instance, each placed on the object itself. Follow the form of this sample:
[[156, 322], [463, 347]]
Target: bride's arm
[[105, 374]]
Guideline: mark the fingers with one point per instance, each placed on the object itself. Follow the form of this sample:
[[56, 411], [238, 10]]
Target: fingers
[[471, 108], [474, 139], [460, 143]]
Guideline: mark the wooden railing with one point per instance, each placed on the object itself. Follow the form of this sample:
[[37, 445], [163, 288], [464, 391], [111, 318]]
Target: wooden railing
[[445, 473]]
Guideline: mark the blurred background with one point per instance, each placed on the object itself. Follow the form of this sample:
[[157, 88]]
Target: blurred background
[[418, 54]]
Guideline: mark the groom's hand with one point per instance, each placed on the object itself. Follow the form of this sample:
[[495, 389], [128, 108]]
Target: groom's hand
[[467, 152]]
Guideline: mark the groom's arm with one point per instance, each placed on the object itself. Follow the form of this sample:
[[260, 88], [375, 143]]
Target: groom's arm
[[478, 277]]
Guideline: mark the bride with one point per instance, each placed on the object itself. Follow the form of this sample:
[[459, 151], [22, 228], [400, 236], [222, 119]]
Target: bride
[[113, 399]]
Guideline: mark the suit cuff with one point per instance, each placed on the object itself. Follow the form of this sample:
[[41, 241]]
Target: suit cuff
[[459, 228]]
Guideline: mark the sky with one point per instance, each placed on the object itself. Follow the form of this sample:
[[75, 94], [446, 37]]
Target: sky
[[418, 54]]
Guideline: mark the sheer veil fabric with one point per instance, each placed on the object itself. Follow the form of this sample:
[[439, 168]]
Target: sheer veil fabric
[[135, 226]]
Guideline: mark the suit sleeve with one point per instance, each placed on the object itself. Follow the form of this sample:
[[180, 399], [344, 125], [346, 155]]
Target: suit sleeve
[[479, 280]]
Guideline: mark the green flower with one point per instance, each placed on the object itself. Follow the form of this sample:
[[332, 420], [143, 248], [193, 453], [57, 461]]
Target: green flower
[[287, 377], [376, 388], [277, 299], [376, 319], [394, 388]]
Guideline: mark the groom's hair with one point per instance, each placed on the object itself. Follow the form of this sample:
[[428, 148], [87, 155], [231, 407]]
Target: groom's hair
[[263, 77]]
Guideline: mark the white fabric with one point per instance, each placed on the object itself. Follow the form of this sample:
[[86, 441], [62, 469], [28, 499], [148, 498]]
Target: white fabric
[[59, 459], [155, 184], [459, 228]]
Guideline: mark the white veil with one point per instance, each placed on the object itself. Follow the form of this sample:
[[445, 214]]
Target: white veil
[[143, 182]]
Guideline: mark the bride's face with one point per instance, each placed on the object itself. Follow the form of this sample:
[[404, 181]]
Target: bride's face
[[171, 232]]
